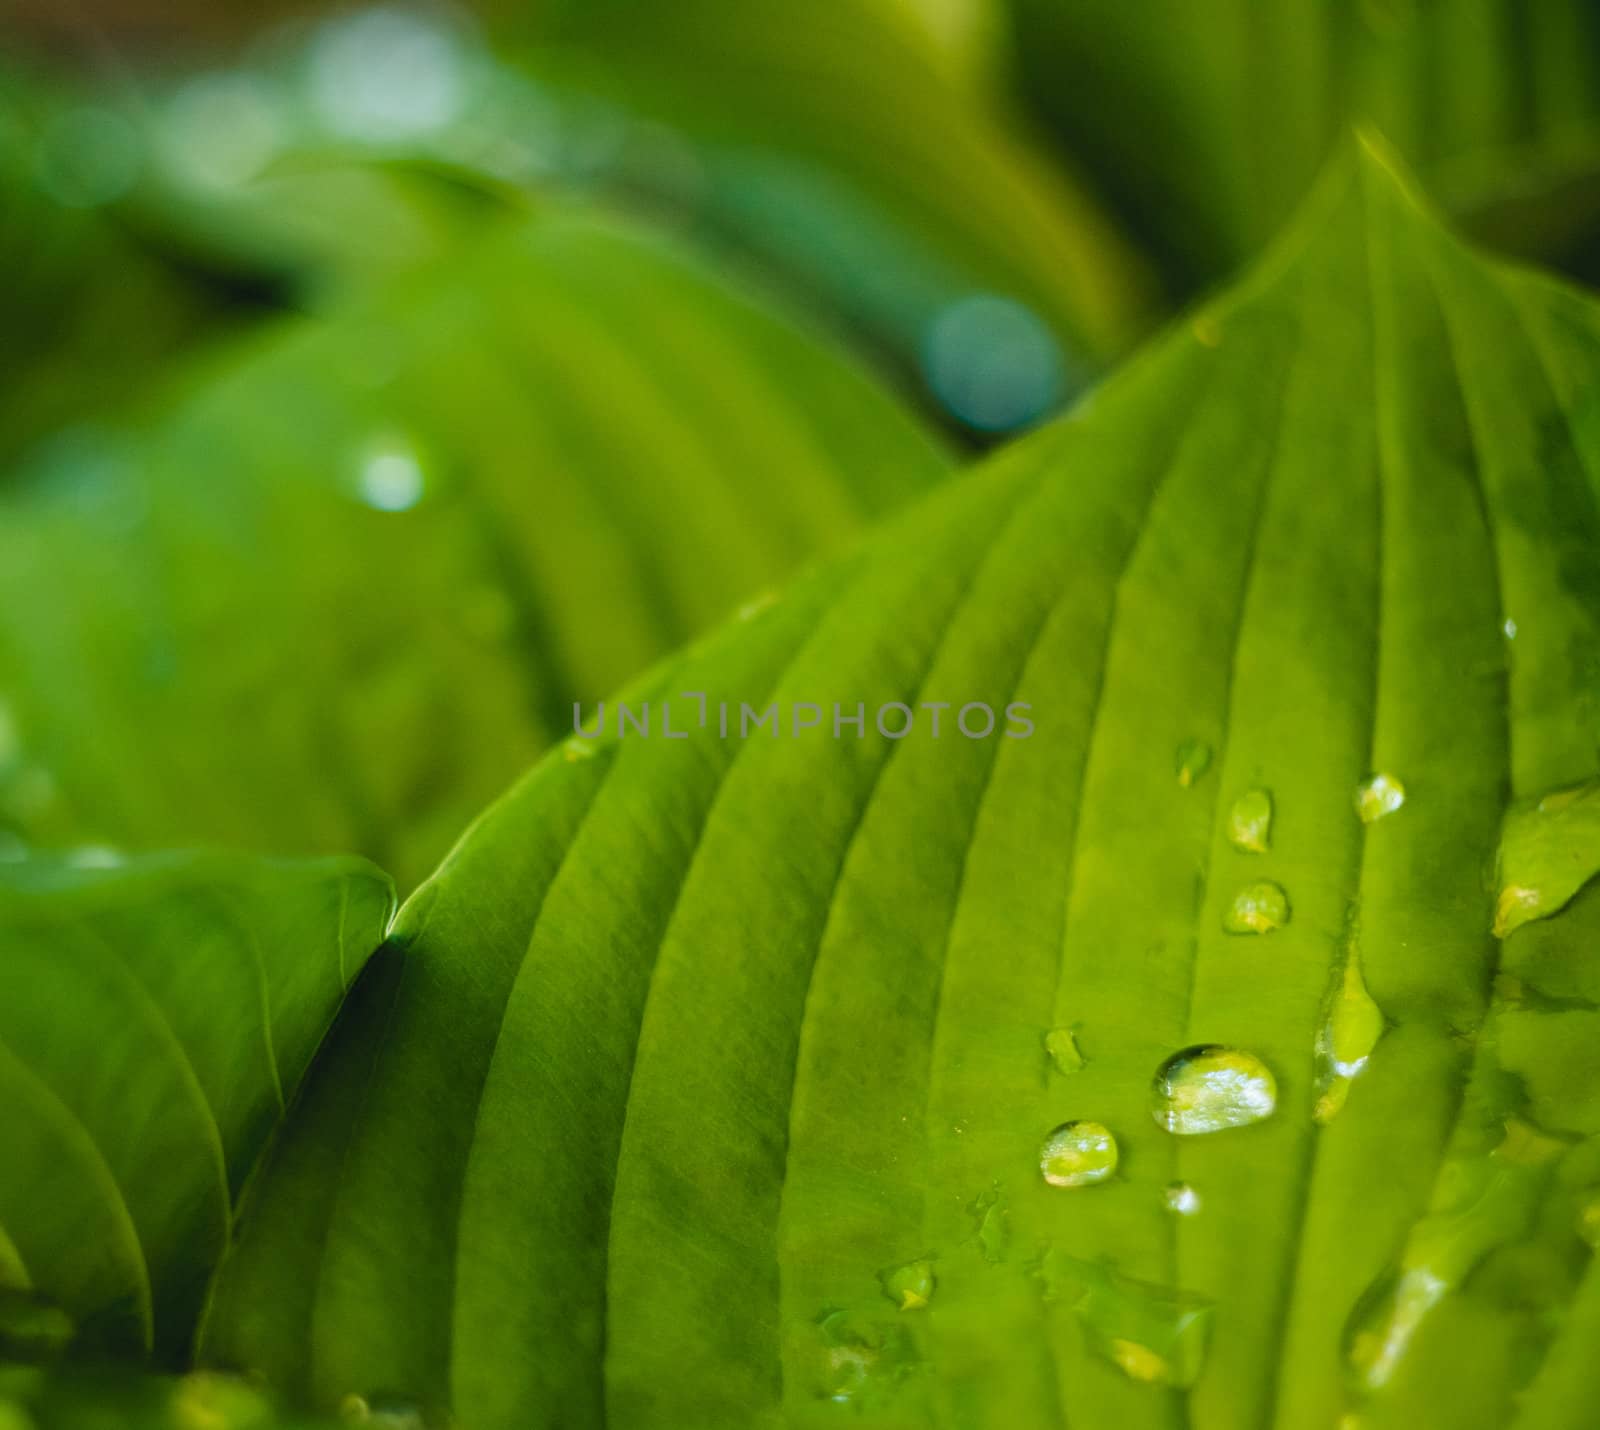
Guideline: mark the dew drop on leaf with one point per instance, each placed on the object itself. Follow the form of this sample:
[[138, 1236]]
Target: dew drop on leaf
[[1549, 849], [1078, 1154], [1192, 760], [1061, 1044], [1152, 1333], [390, 475], [1379, 796], [1351, 1026], [909, 1286], [1257, 908], [1250, 821], [863, 1361], [1207, 1088], [1182, 1199], [1484, 1201]]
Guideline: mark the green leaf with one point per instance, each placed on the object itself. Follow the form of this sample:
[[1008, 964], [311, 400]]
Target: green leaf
[[692, 1043], [155, 1019], [354, 583], [1237, 104]]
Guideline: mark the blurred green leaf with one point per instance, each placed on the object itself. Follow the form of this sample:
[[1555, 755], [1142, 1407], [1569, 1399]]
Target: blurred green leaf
[[1206, 123], [358, 576], [692, 1048], [155, 1020]]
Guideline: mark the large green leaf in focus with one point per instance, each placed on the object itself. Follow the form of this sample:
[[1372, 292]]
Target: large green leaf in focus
[[352, 584], [155, 1020], [707, 1083], [1206, 122]]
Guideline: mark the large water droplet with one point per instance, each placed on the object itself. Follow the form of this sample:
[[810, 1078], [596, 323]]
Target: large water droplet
[[1483, 1201], [1192, 759], [1152, 1333], [1078, 1154], [1379, 796], [1208, 1087], [1257, 908], [1351, 1026], [1250, 821], [909, 1286], [1182, 1199], [1549, 849], [1061, 1045]]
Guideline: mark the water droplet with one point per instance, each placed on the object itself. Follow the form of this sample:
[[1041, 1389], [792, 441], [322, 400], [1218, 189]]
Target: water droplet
[[909, 1286], [1589, 1221], [1193, 759], [1351, 1027], [1208, 1087], [1482, 1201], [1061, 1044], [1510, 628], [1257, 908], [1379, 796], [1182, 1199], [387, 75], [992, 1225], [88, 157], [221, 130], [863, 1361], [1549, 849], [1078, 1154], [1250, 821], [1152, 1333], [390, 475], [993, 363]]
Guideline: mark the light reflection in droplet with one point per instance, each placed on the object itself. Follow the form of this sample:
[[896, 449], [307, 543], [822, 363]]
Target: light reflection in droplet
[[390, 475], [221, 130]]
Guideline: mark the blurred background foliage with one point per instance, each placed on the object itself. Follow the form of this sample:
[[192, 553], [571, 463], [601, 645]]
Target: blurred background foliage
[[379, 379]]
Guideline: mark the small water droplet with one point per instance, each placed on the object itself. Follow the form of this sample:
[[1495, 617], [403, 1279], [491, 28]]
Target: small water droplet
[[1257, 908], [575, 749], [991, 1225], [1208, 1087], [863, 1361], [1192, 760], [1351, 1027], [1379, 796], [390, 474], [1182, 1199], [909, 1286], [993, 362], [1078, 1154], [1250, 821], [1549, 849], [1152, 1333], [1061, 1045], [1510, 628]]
